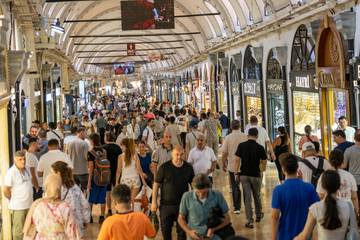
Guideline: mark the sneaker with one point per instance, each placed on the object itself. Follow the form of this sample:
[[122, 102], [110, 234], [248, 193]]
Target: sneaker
[[249, 225], [101, 219], [236, 211], [258, 219]]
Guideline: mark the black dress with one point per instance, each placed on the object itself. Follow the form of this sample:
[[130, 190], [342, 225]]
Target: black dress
[[280, 149]]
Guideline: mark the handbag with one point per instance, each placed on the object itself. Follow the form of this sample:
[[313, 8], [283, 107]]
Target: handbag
[[352, 232], [215, 219]]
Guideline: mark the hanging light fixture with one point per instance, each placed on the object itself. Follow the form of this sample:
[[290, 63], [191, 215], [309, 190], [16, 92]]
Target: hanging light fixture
[[56, 27]]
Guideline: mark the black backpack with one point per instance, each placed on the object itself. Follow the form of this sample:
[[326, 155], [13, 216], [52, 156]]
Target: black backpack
[[316, 172]]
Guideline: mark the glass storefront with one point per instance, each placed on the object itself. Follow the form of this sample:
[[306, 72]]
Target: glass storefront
[[306, 109], [253, 108], [276, 113]]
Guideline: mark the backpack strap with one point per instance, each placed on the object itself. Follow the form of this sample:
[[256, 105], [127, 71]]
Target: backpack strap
[[321, 163], [308, 164]]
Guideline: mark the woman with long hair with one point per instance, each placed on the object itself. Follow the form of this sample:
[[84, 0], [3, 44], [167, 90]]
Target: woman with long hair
[[348, 187], [330, 215], [51, 218], [129, 170], [72, 194], [281, 145]]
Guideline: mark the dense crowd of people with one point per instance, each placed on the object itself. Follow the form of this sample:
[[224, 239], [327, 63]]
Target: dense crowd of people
[[151, 165]]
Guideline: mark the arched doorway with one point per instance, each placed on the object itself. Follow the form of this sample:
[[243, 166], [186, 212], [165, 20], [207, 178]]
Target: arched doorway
[[305, 95], [252, 87], [276, 95], [330, 72]]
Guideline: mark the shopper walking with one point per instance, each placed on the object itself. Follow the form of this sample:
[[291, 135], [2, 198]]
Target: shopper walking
[[290, 201], [281, 145], [331, 216], [349, 131], [78, 151], [18, 189], [126, 224], [211, 127], [252, 155], [173, 179], [228, 149]]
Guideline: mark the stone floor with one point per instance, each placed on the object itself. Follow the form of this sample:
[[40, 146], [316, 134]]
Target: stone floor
[[261, 231]]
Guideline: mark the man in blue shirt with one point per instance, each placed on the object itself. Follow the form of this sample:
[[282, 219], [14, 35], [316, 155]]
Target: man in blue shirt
[[340, 139], [291, 201]]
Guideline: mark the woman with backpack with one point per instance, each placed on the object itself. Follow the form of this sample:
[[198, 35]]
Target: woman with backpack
[[99, 175], [281, 145], [129, 170], [335, 218], [72, 194], [308, 137]]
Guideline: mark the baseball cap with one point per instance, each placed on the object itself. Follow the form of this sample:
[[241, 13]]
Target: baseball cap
[[308, 146]]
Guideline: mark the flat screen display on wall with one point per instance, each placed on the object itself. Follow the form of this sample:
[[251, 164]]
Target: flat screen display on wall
[[147, 14], [124, 68]]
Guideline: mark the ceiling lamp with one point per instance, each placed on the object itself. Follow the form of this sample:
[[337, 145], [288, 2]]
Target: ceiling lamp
[[56, 27]]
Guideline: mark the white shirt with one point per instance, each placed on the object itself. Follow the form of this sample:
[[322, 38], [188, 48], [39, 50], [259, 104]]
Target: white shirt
[[318, 210], [306, 172], [350, 134], [201, 160], [348, 184], [52, 135], [149, 135], [69, 139], [230, 145], [21, 188], [50, 158], [263, 136], [32, 161], [134, 134]]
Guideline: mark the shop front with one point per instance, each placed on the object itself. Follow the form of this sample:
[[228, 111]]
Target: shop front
[[304, 92], [276, 95], [252, 86], [330, 72], [235, 89]]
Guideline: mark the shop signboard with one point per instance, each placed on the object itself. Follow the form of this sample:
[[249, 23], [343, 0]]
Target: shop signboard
[[329, 77], [252, 88], [275, 86], [303, 81]]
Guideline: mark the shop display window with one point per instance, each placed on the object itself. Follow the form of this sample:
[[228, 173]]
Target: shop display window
[[277, 113], [253, 108], [306, 112]]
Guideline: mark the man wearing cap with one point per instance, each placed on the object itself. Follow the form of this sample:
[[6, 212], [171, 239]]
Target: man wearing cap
[[191, 137], [309, 151]]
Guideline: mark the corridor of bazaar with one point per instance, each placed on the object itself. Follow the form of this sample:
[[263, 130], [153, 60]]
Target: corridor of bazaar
[[217, 119]]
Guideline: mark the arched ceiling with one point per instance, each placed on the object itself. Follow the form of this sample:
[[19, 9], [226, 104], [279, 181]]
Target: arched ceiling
[[234, 16]]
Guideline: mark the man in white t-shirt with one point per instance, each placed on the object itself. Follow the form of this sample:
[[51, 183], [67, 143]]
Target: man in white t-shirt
[[349, 131], [202, 157], [19, 190], [52, 156], [32, 163], [263, 137], [68, 139], [148, 135], [306, 172]]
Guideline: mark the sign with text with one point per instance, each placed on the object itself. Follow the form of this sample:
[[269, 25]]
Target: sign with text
[[252, 88], [131, 50], [303, 80], [275, 86]]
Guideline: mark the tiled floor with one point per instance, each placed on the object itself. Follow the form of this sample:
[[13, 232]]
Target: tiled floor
[[262, 230]]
